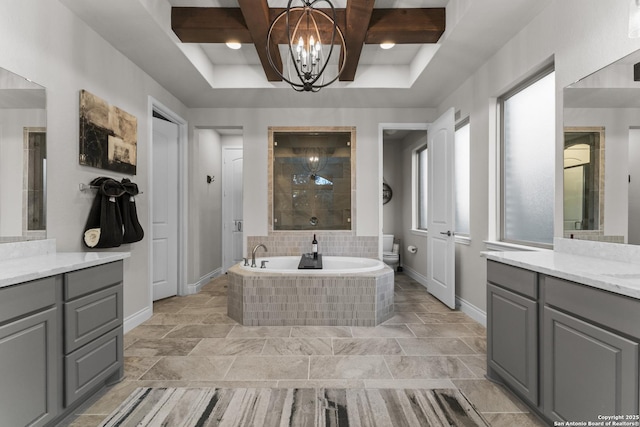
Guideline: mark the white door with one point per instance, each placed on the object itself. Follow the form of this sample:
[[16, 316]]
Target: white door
[[165, 209], [233, 226], [441, 278]]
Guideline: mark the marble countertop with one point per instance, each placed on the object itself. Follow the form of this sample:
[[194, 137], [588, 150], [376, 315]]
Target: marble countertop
[[614, 276], [23, 269]]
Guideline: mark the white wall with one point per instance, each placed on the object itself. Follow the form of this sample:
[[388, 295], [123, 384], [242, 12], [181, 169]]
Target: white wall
[[43, 41], [582, 36], [255, 123], [12, 124]]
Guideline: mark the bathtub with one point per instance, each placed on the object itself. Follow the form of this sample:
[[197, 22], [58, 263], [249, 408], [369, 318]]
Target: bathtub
[[347, 291], [330, 265]]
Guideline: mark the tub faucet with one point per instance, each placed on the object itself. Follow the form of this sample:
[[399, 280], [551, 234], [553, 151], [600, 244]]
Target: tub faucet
[[253, 253]]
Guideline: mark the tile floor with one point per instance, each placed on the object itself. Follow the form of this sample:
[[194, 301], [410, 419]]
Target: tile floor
[[190, 341]]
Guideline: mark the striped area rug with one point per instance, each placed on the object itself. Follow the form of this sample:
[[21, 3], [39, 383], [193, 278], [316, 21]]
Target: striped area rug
[[298, 407]]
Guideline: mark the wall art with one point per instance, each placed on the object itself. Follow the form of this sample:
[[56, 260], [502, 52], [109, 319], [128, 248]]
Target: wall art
[[108, 135]]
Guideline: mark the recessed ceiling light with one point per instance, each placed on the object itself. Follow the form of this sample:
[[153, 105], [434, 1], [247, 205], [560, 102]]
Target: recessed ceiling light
[[234, 45], [387, 45]]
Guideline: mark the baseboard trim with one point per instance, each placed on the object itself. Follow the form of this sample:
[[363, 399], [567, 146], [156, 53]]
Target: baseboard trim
[[137, 319], [196, 287], [464, 306], [472, 311]]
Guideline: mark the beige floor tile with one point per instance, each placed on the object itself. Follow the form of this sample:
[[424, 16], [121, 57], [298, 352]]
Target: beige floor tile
[[348, 367], [436, 307], [200, 331], [476, 363], [204, 310], [497, 419], [434, 346], [135, 366], [189, 368], [441, 330], [489, 397], [109, 399], [239, 331], [150, 331], [321, 384], [229, 347], [403, 318], [321, 331], [478, 344], [249, 368], [411, 383], [451, 317], [477, 328], [163, 347], [382, 331], [427, 367], [234, 384], [218, 318], [174, 319], [365, 346], [413, 307], [297, 346], [83, 421]]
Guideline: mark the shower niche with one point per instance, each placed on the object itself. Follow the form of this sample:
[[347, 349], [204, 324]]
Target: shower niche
[[312, 178]]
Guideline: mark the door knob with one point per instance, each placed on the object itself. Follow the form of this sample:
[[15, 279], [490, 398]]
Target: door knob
[[447, 233]]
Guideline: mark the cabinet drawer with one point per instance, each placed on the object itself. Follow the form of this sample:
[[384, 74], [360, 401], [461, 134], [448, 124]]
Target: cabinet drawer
[[18, 300], [90, 316], [91, 279], [512, 344], [605, 308], [513, 278], [92, 364]]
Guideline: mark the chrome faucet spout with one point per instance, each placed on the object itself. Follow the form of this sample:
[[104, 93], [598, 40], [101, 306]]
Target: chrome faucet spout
[[253, 253]]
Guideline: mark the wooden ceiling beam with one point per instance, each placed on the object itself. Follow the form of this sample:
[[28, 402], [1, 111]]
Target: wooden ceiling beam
[[256, 15], [209, 25], [358, 15], [406, 26]]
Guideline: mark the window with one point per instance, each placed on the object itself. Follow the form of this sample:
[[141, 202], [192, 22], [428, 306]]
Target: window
[[528, 161], [461, 148], [421, 158]]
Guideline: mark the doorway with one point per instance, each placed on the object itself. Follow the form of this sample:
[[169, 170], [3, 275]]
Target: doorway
[[166, 183], [232, 218]]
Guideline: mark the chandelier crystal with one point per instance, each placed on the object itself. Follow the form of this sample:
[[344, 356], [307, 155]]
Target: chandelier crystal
[[308, 55]]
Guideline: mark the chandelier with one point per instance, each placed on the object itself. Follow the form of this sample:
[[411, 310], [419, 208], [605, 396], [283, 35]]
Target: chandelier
[[308, 55]]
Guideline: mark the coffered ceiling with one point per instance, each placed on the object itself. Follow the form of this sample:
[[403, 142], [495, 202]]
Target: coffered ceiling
[[184, 50]]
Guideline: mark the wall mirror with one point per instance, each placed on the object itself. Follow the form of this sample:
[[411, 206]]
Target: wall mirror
[[602, 196], [311, 173], [583, 178], [23, 156]]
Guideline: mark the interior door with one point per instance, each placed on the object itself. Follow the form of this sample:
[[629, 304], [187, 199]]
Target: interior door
[[634, 187], [440, 210], [233, 226], [165, 209]]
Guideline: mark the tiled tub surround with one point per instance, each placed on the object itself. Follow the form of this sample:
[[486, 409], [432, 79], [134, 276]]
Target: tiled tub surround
[[279, 299], [283, 243]]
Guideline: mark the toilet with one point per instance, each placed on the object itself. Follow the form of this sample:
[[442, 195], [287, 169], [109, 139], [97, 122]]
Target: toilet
[[390, 251]]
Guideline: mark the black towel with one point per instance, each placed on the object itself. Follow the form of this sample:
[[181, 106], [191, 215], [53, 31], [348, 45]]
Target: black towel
[[104, 224], [133, 231]]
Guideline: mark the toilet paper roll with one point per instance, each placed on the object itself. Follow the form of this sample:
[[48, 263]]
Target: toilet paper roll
[[412, 249]]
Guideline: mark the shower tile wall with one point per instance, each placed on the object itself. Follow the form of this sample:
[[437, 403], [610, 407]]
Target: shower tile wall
[[284, 243]]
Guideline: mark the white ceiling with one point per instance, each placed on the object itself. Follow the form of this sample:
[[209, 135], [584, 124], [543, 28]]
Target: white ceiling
[[214, 76]]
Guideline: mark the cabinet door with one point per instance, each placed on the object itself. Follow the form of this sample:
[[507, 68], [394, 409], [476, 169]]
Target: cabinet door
[[588, 371], [28, 370], [512, 345]]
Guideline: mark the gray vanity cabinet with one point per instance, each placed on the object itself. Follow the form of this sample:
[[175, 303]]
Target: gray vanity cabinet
[[28, 353], [512, 328], [93, 343], [590, 355]]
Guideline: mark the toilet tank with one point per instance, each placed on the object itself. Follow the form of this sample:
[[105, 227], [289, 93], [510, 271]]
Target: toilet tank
[[387, 242]]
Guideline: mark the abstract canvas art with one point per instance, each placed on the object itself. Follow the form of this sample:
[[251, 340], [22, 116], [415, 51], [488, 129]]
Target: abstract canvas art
[[108, 135]]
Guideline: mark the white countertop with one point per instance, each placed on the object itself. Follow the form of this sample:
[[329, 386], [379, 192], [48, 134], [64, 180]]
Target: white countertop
[[619, 277], [28, 268]]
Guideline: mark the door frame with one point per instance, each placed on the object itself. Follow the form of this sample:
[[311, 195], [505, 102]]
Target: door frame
[[381, 128], [225, 213], [157, 106]]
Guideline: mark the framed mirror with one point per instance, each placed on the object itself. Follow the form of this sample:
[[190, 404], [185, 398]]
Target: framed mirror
[[311, 178], [23, 148], [604, 106]]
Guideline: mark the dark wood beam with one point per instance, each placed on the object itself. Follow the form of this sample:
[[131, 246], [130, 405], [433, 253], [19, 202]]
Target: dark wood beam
[[256, 15], [405, 26], [324, 27], [358, 15], [209, 25]]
